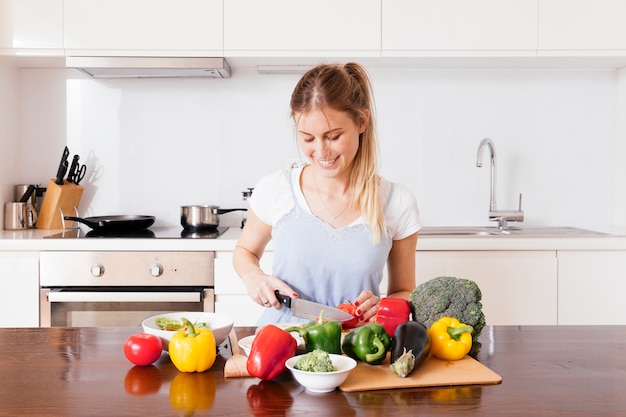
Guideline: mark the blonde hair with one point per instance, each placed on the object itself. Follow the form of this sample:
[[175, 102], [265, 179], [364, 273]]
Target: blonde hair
[[347, 88]]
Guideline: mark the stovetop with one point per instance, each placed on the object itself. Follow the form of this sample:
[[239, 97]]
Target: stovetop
[[151, 233]]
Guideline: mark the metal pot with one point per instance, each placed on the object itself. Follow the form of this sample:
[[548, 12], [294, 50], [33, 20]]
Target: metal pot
[[197, 217]]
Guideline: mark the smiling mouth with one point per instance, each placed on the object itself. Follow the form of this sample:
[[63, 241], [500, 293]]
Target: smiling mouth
[[327, 162]]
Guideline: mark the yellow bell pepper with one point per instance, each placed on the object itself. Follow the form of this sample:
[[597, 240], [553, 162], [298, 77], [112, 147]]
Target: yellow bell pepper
[[192, 351], [449, 339]]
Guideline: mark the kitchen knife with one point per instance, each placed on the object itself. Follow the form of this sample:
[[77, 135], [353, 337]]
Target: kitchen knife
[[310, 310], [62, 167], [73, 172]]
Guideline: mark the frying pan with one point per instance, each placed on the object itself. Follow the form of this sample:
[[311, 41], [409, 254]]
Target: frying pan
[[115, 224]]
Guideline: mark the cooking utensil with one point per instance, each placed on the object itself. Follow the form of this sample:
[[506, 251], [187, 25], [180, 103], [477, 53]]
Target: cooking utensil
[[310, 310], [62, 166], [27, 194], [202, 216], [77, 171], [115, 224], [235, 366], [19, 215]]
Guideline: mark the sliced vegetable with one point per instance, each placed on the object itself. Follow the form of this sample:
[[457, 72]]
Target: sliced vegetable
[[192, 351], [368, 343], [410, 346], [320, 334], [350, 309], [173, 324], [392, 312], [271, 347], [450, 339]]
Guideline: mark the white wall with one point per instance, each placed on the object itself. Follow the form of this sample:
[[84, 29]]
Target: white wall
[[9, 144], [153, 145]]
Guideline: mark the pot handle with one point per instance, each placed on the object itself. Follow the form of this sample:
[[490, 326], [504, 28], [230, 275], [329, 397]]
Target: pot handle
[[91, 224], [222, 211]]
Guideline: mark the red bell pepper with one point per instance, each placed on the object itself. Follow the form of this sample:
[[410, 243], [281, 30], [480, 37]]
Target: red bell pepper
[[392, 312], [271, 347], [350, 309]]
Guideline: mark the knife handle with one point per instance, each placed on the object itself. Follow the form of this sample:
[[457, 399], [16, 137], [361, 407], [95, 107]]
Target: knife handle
[[283, 299]]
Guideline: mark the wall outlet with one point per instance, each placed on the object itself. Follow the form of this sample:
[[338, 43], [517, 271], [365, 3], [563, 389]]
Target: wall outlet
[[293, 162]]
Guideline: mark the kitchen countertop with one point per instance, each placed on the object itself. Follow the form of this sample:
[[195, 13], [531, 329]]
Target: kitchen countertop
[[545, 370], [35, 240]]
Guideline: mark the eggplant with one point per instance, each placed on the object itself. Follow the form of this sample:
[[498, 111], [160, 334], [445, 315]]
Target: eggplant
[[410, 346]]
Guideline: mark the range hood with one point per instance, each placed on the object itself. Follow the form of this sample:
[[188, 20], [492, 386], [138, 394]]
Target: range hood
[[149, 67]]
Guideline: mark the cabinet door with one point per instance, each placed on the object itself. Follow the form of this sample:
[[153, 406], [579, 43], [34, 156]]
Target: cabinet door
[[567, 25], [518, 287], [19, 289], [301, 27], [459, 27], [592, 287], [143, 27], [31, 24], [231, 296]]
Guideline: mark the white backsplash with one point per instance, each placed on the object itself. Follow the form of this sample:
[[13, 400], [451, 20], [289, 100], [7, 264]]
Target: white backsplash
[[153, 145]]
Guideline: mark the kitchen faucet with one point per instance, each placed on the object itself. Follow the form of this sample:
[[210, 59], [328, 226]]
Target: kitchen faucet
[[502, 217]]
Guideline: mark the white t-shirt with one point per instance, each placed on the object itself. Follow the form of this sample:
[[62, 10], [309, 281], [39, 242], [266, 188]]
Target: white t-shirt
[[272, 199]]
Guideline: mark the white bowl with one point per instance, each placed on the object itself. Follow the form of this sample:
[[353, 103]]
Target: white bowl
[[322, 381], [246, 343], [219, 324]]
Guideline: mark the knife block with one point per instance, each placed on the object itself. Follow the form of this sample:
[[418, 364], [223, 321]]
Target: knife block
[[59, 200]]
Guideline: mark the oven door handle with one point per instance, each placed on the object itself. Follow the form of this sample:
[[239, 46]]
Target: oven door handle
[[60, 296]]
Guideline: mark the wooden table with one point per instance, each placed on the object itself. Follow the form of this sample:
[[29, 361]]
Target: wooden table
[[546, 370]]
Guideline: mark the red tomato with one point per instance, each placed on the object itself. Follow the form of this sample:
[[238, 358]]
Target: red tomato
[[350, 309], [143, 349]]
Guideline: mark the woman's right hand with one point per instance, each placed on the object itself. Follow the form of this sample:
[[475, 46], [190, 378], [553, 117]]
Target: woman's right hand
[[261, 288]]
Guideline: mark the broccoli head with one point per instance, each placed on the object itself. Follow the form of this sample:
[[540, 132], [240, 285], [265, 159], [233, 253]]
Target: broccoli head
[[451, 297]]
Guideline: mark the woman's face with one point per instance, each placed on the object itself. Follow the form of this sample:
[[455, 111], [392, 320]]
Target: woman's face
[[329, 138]]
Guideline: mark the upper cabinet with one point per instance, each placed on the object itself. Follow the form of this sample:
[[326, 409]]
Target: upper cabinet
[[302, 28], [143, 27], [31, 27], [459, 28], [582, 27]]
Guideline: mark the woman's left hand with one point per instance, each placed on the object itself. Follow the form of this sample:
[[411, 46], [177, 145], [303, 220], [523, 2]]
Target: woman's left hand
[[366, 306]]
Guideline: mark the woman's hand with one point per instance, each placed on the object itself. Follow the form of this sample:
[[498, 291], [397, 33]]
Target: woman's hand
[[261, 289], [366, 306]]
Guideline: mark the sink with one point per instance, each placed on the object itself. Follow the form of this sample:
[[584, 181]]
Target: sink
[[491, 231]]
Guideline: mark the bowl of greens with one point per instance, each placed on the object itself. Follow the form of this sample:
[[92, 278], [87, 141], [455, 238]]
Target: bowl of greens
[[166, 324], [319, 371]]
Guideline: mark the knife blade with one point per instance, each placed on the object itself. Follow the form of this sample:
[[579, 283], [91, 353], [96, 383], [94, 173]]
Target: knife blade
[[309, 310]]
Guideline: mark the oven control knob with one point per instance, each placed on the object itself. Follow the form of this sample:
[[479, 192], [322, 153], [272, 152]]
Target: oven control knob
[[156, 270], [97, 270]]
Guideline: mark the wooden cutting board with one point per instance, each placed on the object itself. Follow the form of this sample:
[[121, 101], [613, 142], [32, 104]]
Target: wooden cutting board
[[432, 373]]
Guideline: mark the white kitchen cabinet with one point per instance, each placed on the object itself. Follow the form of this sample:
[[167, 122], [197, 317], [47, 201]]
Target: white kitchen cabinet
[[231, 296], [591, 287], [296, 28], [143, 27], [459, 28], [31, 27], [518, 287], [593, 27], [19, 289]]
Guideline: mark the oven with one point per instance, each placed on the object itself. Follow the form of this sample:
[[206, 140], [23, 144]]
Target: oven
[[109, 288]]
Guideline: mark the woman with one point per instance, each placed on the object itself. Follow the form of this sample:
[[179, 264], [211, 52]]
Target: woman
[[334, 222]]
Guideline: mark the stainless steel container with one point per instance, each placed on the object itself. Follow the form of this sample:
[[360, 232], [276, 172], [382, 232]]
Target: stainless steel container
[[18, 216]]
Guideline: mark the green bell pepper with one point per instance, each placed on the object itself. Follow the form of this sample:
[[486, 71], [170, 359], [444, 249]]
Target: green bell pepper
[[320, 334], [368, 343]]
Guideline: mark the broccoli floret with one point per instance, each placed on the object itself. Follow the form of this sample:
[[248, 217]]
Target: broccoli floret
[[315, 361], [451, 297]]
